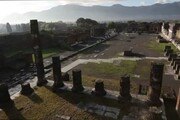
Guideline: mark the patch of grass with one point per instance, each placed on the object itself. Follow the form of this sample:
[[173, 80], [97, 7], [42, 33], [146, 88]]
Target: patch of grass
[[159, 47], [109, 69], [48, 105]]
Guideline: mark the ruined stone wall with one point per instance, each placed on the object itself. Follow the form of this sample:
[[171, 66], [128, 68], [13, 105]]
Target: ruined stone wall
[[16, 42]]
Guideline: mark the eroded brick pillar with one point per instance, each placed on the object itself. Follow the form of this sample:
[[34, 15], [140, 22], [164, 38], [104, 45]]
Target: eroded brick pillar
[[125, 88], [77, 81], [37, 52], [156, 77], [58, 82], [5, 99]]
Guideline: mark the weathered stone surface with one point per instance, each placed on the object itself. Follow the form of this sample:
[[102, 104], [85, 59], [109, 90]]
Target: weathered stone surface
[[125, 88], [156, 76], [37, 52], [5, 99], [77, 81], [26, 89], [99, 88], [58, 82]]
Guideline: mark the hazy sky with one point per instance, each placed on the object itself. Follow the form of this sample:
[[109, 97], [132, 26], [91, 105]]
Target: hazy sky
[[10, 7]]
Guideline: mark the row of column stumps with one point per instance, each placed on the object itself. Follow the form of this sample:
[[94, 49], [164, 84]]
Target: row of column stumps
[[174, 59]]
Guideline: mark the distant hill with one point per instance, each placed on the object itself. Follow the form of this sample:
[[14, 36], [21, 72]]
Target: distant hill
[[169, 11]]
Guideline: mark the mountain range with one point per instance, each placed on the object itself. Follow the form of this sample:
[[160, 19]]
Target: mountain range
[[117, 12]]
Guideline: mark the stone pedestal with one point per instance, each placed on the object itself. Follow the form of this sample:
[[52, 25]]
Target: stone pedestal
[[58, 82], [99, 88], [5, 99], [168, 52], [26, 89], [77, 81], [125, 88], [171, 56], [37, 52], [166, 48], [156, 76]]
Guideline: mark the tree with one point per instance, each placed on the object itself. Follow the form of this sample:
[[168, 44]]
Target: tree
[[8, 27], [87, 23]]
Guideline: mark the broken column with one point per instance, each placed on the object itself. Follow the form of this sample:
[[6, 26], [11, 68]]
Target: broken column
[[37, 52], [168, 52], [171, 56], [77, 81], [125, 88], [167, 47], [99, 88], [175, 64], [173, 60], [26, 89], [177, 69], [5, 99], [156, 76], [58, 82]]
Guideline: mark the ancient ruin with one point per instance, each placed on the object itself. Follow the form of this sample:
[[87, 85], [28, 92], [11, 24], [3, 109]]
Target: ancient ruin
[[156, 77], [58, 81], [77, 81], [99, 88], [125, 88]]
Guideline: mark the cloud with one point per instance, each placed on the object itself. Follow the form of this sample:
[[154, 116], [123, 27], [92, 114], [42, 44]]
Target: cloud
[[163, 1], [142, 3], [90, 2]]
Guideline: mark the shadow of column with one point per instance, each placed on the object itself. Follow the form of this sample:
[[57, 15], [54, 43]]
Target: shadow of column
[[13, 113]]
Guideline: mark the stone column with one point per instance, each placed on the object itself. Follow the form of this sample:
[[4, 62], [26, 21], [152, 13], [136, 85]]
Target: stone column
[[167, 47], [5, 99], [173, 60], [77, 81], [156, 77], [26, 89], [58, 82], [175, 64], [125, 88], [37, 52], [168, 52], [99, 88], [177, 69], [171, 56]]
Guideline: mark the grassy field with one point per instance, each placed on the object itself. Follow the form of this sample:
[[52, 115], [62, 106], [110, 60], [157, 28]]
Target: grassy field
[[159, 47], [107, 70], [45, 104]]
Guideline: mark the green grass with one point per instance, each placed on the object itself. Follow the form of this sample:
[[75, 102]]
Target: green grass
[[109, 69], [159, 47]]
